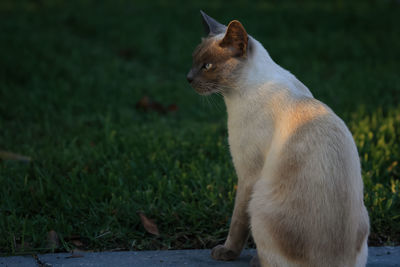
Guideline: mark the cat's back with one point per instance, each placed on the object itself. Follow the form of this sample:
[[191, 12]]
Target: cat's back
[[308, 131]]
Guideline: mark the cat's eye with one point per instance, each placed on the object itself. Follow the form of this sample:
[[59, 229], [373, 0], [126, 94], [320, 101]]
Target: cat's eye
[[207, 66]]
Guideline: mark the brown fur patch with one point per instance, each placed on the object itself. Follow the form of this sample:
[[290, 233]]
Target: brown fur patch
[[223, 72], [291, 242], [210, 52], [236, 38]]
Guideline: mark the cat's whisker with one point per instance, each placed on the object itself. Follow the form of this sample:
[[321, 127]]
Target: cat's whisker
[[206, 102], [216, 102]]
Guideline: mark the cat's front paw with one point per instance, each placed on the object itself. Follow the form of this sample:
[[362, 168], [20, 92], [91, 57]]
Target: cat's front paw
[[222, 253]]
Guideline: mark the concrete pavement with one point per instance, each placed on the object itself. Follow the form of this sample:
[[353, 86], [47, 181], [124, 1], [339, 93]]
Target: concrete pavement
[[378, 256]]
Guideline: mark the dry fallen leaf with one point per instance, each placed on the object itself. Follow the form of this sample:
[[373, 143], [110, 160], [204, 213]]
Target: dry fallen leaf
[[4, 155], [77, 243], [52, 240], [75, 240], [148, 224], [77, 253], [146, 104], [126, 53], [172, 108]]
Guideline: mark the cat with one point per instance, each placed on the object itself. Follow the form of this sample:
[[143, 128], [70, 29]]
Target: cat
[[300, 189]]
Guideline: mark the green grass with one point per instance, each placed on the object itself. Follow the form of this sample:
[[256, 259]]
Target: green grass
[[71, 73]]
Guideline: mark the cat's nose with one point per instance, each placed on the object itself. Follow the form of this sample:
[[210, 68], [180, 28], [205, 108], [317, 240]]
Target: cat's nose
[[189, 77]]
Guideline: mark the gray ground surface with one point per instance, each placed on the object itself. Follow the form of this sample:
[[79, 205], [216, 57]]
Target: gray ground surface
[[378, 256], [20, 261]]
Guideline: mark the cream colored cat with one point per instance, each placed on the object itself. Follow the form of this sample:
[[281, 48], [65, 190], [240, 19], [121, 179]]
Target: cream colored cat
[[299, 180]]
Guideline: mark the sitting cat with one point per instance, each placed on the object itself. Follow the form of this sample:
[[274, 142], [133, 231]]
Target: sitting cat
[[299, 180]]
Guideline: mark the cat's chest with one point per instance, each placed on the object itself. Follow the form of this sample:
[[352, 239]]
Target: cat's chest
[[249, 138]]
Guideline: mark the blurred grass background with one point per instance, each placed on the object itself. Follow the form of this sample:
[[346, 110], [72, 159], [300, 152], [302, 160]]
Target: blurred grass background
[[72, 73]]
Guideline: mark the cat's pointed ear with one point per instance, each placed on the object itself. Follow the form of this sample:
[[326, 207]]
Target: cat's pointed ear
[[211, 26], [235, 38]]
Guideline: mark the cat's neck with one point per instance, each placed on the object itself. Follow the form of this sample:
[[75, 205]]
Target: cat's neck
[[264, 90], [264, 76]]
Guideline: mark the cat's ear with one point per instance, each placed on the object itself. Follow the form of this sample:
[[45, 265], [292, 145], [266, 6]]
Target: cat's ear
[[235, 38], [211, 26]]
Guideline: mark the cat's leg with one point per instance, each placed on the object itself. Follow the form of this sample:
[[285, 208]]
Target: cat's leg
[[239, 227], [269, 253], [363, 255]]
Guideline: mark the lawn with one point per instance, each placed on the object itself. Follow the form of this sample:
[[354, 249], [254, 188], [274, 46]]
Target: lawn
[[94, 92]]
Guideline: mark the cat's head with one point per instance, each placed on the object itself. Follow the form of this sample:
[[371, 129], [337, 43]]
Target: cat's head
[[219, 59]]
